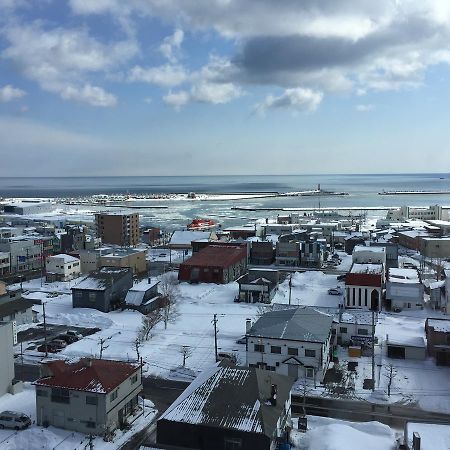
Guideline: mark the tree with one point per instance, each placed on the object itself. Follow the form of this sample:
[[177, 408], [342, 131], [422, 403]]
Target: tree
[[169, 289], [149, 321], [390, 375], [186, 352], [137, 347]]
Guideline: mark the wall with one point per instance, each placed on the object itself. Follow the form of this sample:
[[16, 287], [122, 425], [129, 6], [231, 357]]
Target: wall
[[7, 355]]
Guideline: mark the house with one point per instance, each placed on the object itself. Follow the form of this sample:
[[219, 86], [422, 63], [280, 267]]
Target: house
[[363, 286], [104, 289], [404, 289], [19, 310], [62, 267], [405, 347], [8, 338], [438, 340], [144, 297], [294, 342], [91, 396], [215, 264], [5, 263], [369, 255], [90, 258], [391, 250], [258, 286], [354, 327], [312, 254], [134, 258], [287, 253], [241, 232], [278, 228], [228, 408]]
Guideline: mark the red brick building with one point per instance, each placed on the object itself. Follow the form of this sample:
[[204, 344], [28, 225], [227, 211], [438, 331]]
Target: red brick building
[[215, 264]]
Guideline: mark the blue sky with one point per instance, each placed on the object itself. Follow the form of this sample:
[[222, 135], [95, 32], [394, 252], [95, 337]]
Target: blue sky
[[203, 87]]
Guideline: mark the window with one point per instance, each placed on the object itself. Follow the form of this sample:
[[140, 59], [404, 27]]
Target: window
[[113, 395], [259, 348], [362, 331], [311, 353], [134, 378], [91, 400], [342, 329], [233, 444], [292, 351], [90, 424], [92, 296], [309, 372], [60, 395], [275, 349]]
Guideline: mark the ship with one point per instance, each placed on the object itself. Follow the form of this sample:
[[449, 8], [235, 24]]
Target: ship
[[201, 225]]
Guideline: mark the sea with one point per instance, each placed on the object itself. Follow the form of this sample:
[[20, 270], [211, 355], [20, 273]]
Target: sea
[[363, 192]]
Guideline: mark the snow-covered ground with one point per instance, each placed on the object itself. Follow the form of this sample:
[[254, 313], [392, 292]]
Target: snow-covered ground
[[332, 434], [36, 437], [419, 382]]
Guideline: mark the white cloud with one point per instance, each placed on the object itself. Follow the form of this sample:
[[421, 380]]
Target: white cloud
[[171, 45], [9, 93], [166, 75], [364, 107], [177, 99], [93, 95], [297, 99], [215, 93], [61, 60]]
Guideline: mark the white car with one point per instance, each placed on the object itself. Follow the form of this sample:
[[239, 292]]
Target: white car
[[335, 291]]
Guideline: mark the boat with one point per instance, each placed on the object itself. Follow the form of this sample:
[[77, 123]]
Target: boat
[[201, 224]]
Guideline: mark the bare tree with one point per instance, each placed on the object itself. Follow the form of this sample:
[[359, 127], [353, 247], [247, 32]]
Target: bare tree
[[186, 352], [137, 347], [169, 289], [390, 374], [149, 321]]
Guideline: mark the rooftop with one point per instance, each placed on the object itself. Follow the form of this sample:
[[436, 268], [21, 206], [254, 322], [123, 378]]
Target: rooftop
[[440, 325], [232, 398], [363, 248], [66, 258], [299, 324], [89, 375], [217, 256], [102, 279], [14, 306], [371, 269], [186, 237], [408, 276]]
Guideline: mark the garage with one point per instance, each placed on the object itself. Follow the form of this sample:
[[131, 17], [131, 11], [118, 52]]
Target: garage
[[406, 347]]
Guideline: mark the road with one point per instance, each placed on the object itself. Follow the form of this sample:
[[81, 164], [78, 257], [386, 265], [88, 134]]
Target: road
[[360, 411]]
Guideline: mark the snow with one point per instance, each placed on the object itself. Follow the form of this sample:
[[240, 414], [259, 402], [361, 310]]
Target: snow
[[373, 269], [186, 237], [442, 326], [403, 275], [332, 434], [432, 437], [398, 339]]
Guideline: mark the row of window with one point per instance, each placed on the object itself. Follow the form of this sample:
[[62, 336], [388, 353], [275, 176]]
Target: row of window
[[290, 350], [359, 331]]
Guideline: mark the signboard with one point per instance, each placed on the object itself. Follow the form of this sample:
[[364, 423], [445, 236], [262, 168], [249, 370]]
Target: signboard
[[14, 329], [361, 338]]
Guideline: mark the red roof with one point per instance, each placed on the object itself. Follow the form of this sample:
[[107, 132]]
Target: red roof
[[217, 256], [91, 375]]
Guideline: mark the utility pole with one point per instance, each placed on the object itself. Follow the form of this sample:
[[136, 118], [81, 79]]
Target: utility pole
[[215, 335], [45, 329], [290, 288], [103, 346], [373, 351]]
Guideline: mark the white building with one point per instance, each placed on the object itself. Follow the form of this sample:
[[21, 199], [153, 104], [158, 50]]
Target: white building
[[369, 255], [433, 212], [404, 289], [294, 342], [6, 347], [355, 327], [62, 267]]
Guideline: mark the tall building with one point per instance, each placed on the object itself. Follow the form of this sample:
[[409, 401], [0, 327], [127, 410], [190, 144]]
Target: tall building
[[118, 228]]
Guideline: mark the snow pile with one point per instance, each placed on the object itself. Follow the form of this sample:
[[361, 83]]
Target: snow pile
[[330, 434]]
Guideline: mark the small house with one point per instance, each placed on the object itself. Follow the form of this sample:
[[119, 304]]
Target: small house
[[144, 297], [438, 340], [62, 267], [258, 286]]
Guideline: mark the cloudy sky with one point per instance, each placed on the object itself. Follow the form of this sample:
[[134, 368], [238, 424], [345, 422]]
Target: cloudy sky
[[197, 87]]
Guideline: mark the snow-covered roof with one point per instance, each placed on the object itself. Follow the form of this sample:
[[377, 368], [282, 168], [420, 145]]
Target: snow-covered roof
[[144, 285], [356, 316], [407, 341], [66, 258], [299, 324], [101, 279], [432, 436], [186, 237], [244, 391], [403, 275], [363, 248], [440, 325], [372, 269]]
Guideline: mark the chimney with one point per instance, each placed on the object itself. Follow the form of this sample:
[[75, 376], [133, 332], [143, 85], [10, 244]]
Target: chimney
[[149, 280], [248, 325]]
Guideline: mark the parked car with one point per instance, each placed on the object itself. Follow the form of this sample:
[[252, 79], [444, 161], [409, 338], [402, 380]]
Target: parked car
[[51, 348], [74, 333], [242, 340], [68, 339], [59, 343], [14, 420], [225, 356], [341, 277], [335, 291]]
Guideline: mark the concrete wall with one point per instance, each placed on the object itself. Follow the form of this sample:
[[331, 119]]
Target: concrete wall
[[7, 355]]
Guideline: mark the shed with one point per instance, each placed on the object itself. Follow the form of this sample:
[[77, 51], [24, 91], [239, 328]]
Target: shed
[[406, 347]]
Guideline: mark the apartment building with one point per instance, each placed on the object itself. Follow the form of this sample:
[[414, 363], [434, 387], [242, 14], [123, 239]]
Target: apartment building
[[118, 228]]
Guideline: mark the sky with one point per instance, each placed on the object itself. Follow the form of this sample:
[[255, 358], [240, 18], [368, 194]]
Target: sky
[[211, 87]]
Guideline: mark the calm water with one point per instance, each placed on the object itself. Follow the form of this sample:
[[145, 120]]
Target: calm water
[[363, 190]]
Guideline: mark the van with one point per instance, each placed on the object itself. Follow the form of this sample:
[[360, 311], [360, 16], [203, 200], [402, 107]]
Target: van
[[14, 420]]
